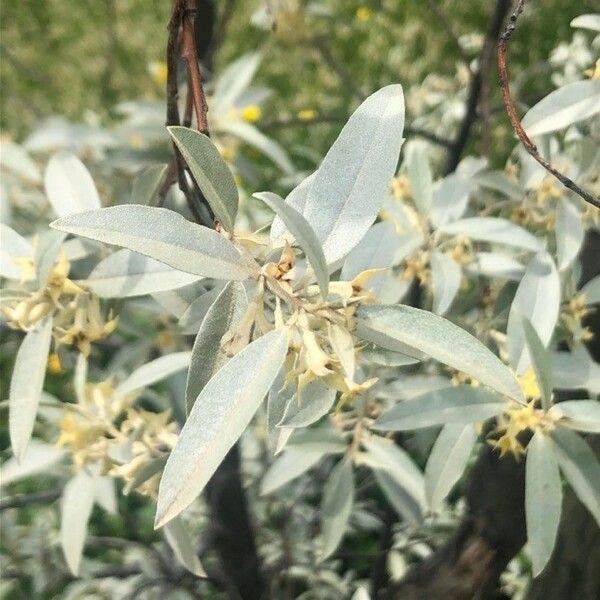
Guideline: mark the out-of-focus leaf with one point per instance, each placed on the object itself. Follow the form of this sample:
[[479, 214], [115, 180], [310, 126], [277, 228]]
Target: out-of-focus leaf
[[447, 461], [69, 186], [26, 385], [402, 502], [494, 264], [543, 499], [13, 246], [336, 506], [446, 276], [567, 105], [538, 300], [591, 291], [146, 185], [540, 361], [210, 171], [291, 464], [233, 81], [180, 541], [38, 458], [590, 21], [161, 234], [386, 325], [569, 233], [419, 173], [583, 415], [218, 418]]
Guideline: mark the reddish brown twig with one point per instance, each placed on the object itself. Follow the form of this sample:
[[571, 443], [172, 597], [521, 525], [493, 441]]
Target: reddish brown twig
[[515, 121]]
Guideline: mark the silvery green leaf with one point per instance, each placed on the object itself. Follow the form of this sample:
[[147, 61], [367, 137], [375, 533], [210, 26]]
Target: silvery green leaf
[[291, 464], [76, 508], [448, 459], [179, 539], [146, 185], [342, 343], [155, 370], [296, 199], [336, 506], [567, 105], [13, 246], [26, 385], [575, 370], [494, 230], [104, 493], [446, 276], [303, 233], [15, 158], [348, 189], [149, 470], [38, 458], [377, 250], [591, 291], [419, 173], [540, 362], [124, 274], [583, 415], [163, 235], [401, 501], [213, 176], [69, 185], [177, 302], [387, 358], [494, 264], [207, 354], [314, 401], [537, 299], [198, 308], [498, 181], [323, 438], [361, 594], [252, 136], [277, 400], [590, 21], [569, 233], [450, 199], [218, 418], [386, 455], [440, 339], [543, 499], [580, 467], [233, 81], [46, 251], [456, 404]]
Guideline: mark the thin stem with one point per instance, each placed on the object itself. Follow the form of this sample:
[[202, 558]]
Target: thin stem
[[515, 121]]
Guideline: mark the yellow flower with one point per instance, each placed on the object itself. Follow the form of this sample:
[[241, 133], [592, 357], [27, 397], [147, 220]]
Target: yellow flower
[[462, 251], [137, 142], [158, 71], [363, 14], [401, 187], [529, 384], [508, 444], [307, 114], [252, 113], [228, 153], [595, 72], [546, 190], [80, 437], [54, 365]]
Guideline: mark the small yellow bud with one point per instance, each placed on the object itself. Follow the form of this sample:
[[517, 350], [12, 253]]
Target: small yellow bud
[[363, 14], [252, 113]]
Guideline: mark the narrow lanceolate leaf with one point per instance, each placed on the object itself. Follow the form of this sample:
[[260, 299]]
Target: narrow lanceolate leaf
[[304, 235], [146, 185], [179, 539], [26, 385], [38, 458], [580, 467], [342, 344], [537, 299], [419, 173], [446, 276], [314, 402], [155, 370], [569, 233], [590, 21], [69, 186], [540, 361], [386, 325], [336, 506], [207, 354], [583, 415], [447, 461], [543, 499], [124, 274], [386, 455], [494, 230], [402, 502], [567, 105], [76, 508], [287, 467], [13, 246], [161, 234], [348, 189], [218, 418], [591, 291], [210, 172], [459, 404]]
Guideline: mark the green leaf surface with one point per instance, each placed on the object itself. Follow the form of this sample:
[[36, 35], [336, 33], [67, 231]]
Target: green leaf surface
[[540, 361], [179, 539], [424, 332], [287, 467], [213, 176], [161, 234], [218, 418], [583, 415]]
